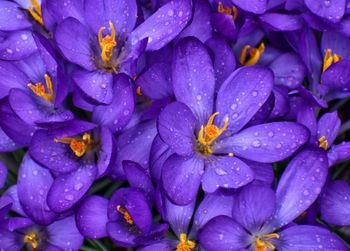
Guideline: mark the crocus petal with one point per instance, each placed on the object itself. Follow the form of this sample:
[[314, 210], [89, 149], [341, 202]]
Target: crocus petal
[[78, 52], [337, 42], [289, 70], [263, 114], [181, 178], [222, 233], [107, 151], [253, 6], [9, 240], [122, 14], [64, 234], [335, 203], [120, 234], [34, 183], [11, 196], [96, 85], [11, 77], [59, 11], [3, 174], [16, 45], [300, 185], [6, 143], [242, 95], [224, 25], [265, 143], [309, 238], [282, 22], [338, 153], [165, 24], [263, 172], [226, 172], [160, 152], [253, 205], [328, 126], [117, 114], [68, 189], [91, 218], [193, 78], [12, 18], [282, 106], [333, 11], [176, 125]]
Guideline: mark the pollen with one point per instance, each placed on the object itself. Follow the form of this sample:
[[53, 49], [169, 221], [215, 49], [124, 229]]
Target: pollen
[[254, 54], [125, 214], [329, 59], [323, 143], [263, 243], [32, 239], [107, 43], [78, 145], [228, 11], [35, 12], [184, 244], [138, 91], [40, 90]]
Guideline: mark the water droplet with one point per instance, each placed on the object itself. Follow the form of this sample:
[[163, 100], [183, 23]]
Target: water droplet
[[78, 186], [199, 97], [35, 172], [233, 106], [254, 93], [170, 13], [69, 197], [256, 143], [24, 37], [220, 171]]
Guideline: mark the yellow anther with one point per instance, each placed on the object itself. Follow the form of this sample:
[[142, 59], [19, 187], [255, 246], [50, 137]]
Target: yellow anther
[[35, 12], [227, 10], [323, 143], [231, 154], [210, 132], [329, 59], [107, 43], [263, 243], [125, 214], [40, 90], [184, 244], [77, 145], [254, 54], [138, 91], [31, 239]]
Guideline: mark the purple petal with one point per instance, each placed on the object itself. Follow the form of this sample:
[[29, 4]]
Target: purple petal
[[64, 234], [253, 205], [282, 22], [164, 25], [11, 77], [328, 126], [253, 6], [96, 85], [12, 18], [59, 11], [181, 178], [68, 189], [224, 25], [91, 218], [78, 52], [120, 234], [309, 238], [3, 175], [338, 153], [6, 143], [34, 183], [16, 45], [160, 152], [335, 203], [222, 233], [333, 11], [11, 196], [263, 172], [265, 143], [107, 151], [242, 95], [122, 14], [117, 114], [282, 106], [300, 185], [176, 125], [9, 240], [337, 42], [193, 78], [226, 172]]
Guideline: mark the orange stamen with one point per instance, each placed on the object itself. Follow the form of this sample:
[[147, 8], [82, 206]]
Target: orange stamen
[[184, 244], [39, 89], [78, 146], [330, 59], [35, 12], [107, 43], [125, 214], [254, 54]]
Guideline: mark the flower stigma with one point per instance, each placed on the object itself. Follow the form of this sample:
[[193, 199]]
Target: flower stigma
[[329, 59], [184, 244], [77, 145], [228, 11], [125, 214], [35, 12], [32, 239], [107, 43], [323, 142], [209, 133], [263, 243], [254, 54], [40, 90]]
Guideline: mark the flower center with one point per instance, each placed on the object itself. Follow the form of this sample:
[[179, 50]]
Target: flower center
[[184, 244], [323, 143], [209, 133], [40, 90], [35, 12], [77, 145], [228, 11], [107, 43], [254, 54], [329, 59], [263, 243], [31, 239], [125, 214]]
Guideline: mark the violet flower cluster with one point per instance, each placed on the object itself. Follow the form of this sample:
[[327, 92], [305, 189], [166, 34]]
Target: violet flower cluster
[[174, 125]]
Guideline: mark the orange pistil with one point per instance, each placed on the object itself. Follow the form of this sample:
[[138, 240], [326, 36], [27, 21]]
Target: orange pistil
[[125, 214], [254, 54], [184, 244], [35, 12], [263, 243], [40, 90], [31, 239], [227, 10], [78, 146], [323, 143], [329, 59], [107, 43]]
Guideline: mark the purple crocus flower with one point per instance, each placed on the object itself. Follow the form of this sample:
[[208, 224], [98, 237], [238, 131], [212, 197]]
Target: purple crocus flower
[[206, 149], [259, 212]]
